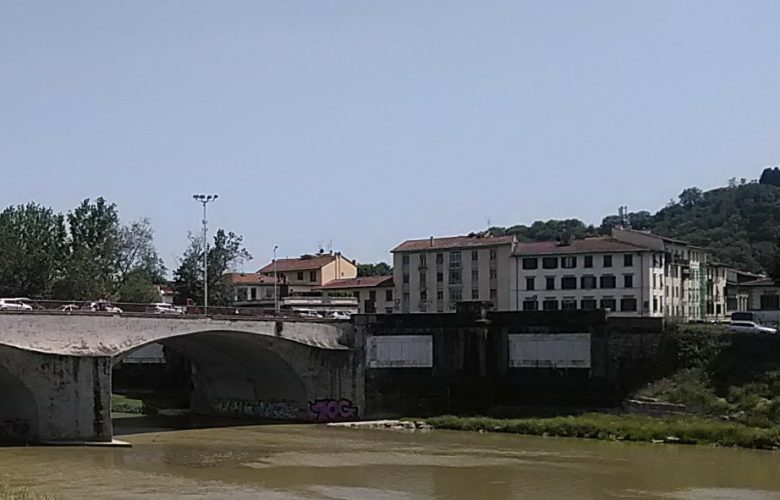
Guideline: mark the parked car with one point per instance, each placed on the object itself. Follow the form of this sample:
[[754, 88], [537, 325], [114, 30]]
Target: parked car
[[340, 315], [14, 305], [69, 308], [104, 306], [165, 308], [308, 313], [749, 327]]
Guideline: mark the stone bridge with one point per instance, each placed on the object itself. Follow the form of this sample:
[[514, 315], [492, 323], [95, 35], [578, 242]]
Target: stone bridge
[[55, 369]]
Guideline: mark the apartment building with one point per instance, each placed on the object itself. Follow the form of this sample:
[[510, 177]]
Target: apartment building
[[593, 273], [254, 288], [375, 294], [308, 272], [434, 274]]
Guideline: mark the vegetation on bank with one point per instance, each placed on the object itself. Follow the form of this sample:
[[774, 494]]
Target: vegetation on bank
[[11, 493], [685, 430], [125, 404]]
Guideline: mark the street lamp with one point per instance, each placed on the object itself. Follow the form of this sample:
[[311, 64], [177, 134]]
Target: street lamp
[[205, 199], [276, 285]]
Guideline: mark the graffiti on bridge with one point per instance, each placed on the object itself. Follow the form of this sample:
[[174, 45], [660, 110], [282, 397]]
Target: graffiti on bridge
[[328, 410], [271, 409]]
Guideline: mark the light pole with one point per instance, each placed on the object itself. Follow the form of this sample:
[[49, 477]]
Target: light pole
[[276, 285], [205, 199]]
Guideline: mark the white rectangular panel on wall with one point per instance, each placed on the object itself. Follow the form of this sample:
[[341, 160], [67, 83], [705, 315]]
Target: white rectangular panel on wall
[[549, 350], [400, 351]]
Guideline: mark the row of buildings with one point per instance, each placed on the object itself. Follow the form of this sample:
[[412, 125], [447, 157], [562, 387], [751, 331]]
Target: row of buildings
[[629, 273]]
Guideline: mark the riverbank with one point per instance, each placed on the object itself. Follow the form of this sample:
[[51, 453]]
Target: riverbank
[[682, 430], [9, 493]]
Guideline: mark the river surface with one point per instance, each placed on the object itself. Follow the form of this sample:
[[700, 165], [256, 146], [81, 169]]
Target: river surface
[[317, 462]]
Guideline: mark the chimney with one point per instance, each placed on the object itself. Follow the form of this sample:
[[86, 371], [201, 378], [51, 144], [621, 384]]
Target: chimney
[[431, 241]]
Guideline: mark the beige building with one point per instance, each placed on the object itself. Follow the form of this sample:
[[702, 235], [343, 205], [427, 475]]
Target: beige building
[[309, 272], [254, 288], [375, 294], [432, 275]]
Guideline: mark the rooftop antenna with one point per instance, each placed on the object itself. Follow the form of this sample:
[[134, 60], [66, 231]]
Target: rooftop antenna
[[330, 246], [625, 222]]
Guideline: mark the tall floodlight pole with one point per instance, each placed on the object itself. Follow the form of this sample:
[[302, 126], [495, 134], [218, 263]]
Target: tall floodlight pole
[[205, 199], [276, 285]]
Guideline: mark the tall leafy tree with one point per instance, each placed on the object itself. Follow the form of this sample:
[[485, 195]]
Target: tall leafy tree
[[378, 269], [223, 256], [32, 250]]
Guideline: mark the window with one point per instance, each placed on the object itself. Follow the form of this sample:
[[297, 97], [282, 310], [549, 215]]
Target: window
[[474, 276], [455, 277], [423, 296], [550, 263], [588, 282], [608, 304], [406, 278], [569, 283], [455, 296], [628, 281], [439, 295], [493, 254], [440, 258], [312, 275], [422, 279], [569, 305], [253, 293], [568, 262], [530, 263], [493, 274], [628, 304], [439, 277], [406, 296], [388, 295], [493, 295], [405, 260], [550, 283], [607, 261], [628, 260], [588, 261], [770, 302], [474, 294], [530, 283], [588, 304], [356, 295], [655, 304], [474, 255], [607, 281], [372, 295], [550, 305], [299, 276], [454, 259], [423, 261], [530, 305]]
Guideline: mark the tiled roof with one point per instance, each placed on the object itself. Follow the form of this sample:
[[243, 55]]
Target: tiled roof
[[250, 279], [299, 264], [588, 245], [760, 282], [453, 242], [363, 282]]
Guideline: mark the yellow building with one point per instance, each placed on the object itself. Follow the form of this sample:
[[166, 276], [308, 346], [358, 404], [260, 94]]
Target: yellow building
[[308, 272]]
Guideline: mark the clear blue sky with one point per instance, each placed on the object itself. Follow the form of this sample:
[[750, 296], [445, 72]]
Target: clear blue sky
[[367, 122]]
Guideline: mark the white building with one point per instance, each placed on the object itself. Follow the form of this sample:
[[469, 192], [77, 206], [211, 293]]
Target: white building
[[375, 294]]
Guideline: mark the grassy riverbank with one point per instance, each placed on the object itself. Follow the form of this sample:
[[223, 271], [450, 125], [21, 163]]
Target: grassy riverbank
[[9, 493], [685, 430]]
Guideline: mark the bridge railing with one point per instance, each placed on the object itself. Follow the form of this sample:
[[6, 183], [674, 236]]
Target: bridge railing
[[32, 306]]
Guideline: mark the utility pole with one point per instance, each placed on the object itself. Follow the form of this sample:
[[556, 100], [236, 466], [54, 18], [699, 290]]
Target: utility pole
[[205, 199], [276, 285]]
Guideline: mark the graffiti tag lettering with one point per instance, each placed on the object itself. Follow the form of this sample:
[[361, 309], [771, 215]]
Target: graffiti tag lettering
[[273, 409], [328, 410]]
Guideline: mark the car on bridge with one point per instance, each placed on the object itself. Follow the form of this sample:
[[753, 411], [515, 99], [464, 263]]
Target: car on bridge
[[104, 306], [14, 305], [165, 308]]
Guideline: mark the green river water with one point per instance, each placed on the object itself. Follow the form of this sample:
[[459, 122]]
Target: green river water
[[318, 462]]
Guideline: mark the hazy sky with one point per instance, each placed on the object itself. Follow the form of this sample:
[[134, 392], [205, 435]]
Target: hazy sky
[[370, 122]]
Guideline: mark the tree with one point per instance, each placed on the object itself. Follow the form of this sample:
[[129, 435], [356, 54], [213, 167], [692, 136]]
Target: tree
[[226, 251], [137, 288], [32, 250], [378, 269], [691, 196], [136, 253], [92, 263], [770, 176]]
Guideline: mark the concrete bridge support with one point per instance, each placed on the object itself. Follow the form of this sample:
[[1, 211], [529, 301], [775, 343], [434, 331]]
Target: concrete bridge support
[[54, 398]]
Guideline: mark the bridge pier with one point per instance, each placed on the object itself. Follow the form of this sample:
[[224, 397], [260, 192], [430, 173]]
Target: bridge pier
[[54, 398]]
